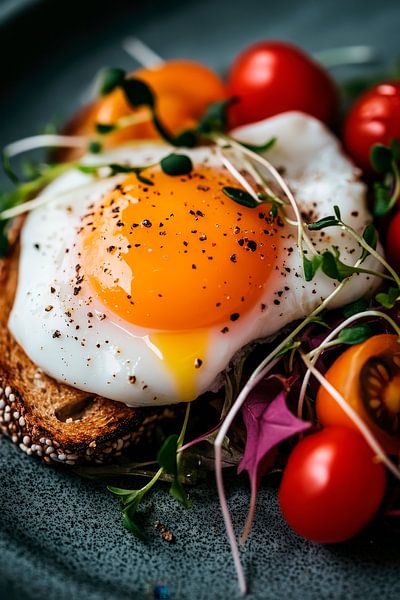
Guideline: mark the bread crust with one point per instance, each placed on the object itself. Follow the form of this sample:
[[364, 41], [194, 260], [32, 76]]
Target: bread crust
[[49, 419]]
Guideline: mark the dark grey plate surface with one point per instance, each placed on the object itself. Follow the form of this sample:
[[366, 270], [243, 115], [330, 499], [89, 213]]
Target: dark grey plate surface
[[60, 537]]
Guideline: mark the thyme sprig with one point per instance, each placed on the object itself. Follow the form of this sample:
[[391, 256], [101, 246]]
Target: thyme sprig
[[333, 266]]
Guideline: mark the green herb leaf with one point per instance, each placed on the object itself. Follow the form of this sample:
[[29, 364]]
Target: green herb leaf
[[166, 456], [381, 158], [5, 159], [94, 147], [273, 211], [336, 210], [395, 148], [370, 235], [121, 491], [330, 221], [355, 307], [384, 160], [116, 169], [178, 492], [138, 93], [130, 523], [318, 320], [141, 178], [104, 128], [354, 335], [186, 139], [262, 147], [388, 299], [176, 164], [382, 199], [88, 169], [310, 267], [215, 117], [240, 196], [109, 79], [334, 268]]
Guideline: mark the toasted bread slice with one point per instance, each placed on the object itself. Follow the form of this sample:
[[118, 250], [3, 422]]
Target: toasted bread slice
[[49, 419]]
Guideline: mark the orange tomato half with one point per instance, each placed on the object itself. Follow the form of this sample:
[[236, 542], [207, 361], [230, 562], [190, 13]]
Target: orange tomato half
[[367, 375]]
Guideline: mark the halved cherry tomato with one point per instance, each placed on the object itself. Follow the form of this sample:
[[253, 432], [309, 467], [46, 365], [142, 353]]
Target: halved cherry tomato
[[273, 77], [331, 487], [367, 375], [183, 91], [373, 119]]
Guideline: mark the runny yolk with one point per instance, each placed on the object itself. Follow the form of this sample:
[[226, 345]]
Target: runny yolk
[[184, 355], [178, 255]]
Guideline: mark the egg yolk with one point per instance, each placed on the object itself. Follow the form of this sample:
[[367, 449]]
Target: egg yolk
[[179, 254]]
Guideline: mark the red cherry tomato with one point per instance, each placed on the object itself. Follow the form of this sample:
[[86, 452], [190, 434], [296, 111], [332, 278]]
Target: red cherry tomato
[[331, 487], [393, 242], [373, 119], [273, 77]]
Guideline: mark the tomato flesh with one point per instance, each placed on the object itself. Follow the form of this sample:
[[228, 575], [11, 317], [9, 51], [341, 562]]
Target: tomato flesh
[[345, 376], [332, 486]]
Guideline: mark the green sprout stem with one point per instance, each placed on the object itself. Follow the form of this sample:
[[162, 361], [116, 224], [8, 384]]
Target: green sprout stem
[[152, 481], [372, 251]]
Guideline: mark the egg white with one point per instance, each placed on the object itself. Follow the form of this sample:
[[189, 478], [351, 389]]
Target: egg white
[[104, 355]]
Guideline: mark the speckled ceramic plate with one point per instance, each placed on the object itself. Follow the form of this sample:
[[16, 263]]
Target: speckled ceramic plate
[[61, 537]]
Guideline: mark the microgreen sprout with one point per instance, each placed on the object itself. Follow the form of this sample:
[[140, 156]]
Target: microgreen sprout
[[335, 268]]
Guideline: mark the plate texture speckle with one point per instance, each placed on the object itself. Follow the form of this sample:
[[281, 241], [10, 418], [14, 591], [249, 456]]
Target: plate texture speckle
[[61, 537]]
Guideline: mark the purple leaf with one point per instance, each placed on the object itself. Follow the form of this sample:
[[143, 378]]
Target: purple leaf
[[268, 423]]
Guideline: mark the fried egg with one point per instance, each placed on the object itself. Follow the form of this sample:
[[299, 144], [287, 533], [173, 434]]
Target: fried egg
[[144, 291]]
